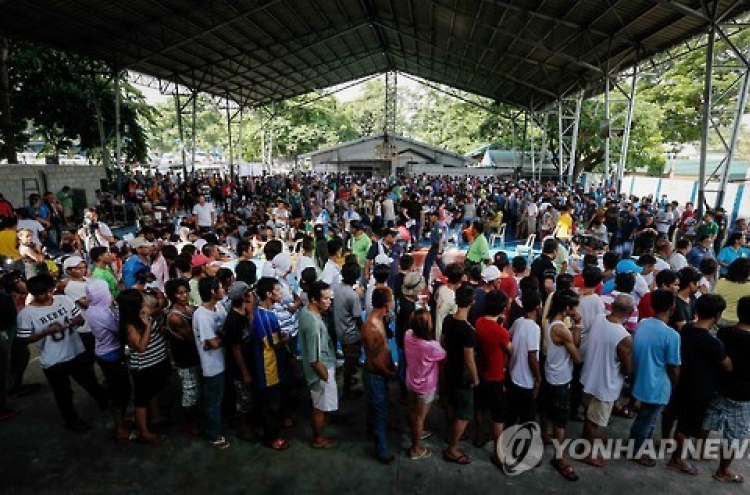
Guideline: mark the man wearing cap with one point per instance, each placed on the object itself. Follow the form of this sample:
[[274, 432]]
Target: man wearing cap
[[238, 353], [198, 270], [140, 260], [491, 281], [75, 288], [435, 253]]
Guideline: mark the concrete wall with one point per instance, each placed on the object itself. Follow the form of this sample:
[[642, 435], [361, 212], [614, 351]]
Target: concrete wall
[[76, 176]]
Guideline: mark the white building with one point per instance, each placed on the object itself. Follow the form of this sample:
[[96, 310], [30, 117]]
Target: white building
[[384, 155]]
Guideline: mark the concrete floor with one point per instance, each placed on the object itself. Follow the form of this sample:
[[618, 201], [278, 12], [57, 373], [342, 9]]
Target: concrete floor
[[37, 455]]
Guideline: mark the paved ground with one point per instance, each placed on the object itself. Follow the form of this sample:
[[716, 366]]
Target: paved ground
[[38, 456]]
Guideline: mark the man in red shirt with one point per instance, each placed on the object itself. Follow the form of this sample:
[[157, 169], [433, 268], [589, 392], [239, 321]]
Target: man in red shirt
[[6, 209], [665, 279], [493, 349]]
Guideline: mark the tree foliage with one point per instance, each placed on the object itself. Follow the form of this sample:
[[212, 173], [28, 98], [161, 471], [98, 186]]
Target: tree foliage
[[54, 95]]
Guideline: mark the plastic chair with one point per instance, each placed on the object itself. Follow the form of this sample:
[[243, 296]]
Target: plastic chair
[[526, 249], [500, 235]]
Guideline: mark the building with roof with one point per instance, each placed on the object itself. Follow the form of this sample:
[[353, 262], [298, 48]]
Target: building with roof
[[384, 155]]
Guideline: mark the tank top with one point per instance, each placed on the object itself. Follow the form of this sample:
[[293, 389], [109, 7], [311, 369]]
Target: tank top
[[558, 368], [184, 352], [155, 352]]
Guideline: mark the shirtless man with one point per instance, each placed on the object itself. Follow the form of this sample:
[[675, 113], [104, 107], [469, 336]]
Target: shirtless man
[[379, 369]]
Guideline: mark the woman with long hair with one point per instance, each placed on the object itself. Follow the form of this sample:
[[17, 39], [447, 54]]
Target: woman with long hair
[[149, 363], [732, 288], [423, 353]]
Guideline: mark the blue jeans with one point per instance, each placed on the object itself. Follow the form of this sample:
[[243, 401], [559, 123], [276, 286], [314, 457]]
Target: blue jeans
[[213, 396], [643, 425], [429, 259], [376, 388]]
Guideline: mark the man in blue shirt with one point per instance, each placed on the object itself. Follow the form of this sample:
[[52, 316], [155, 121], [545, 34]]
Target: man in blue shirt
[[656, 359], [140, 261]]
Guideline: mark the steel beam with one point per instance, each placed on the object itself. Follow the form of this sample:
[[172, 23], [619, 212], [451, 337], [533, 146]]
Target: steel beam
[[626, 132], [706, 118]]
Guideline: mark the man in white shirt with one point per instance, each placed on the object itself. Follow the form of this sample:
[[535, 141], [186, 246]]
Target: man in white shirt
[[532, 212], [94, 232], [207, 323], [205, 213], [525, 373], [608, 360]]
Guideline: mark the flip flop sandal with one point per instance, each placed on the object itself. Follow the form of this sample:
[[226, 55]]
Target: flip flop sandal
[[623, 412], [325, 444], [462, 459], [565, 470], [597, 463], [689, 468], [426, 453], [732, 478], [279, 444], [645, 461], [426, 434]]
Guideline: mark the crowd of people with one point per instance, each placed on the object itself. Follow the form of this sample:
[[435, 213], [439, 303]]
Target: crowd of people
[[339, 285]]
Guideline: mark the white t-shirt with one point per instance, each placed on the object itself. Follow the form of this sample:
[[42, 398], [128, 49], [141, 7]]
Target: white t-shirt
[[661, 265], [331, 274], [205, 325], [302, 263], [98, 237], [56, 348], [445, 304], [526, 337], [76, 290], [601, 375], [558, 367], [204, 214], [532, 210], [590, 307], [677, 261]]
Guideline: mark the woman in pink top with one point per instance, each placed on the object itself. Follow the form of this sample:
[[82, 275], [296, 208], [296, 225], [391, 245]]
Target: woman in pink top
[[423, 353]]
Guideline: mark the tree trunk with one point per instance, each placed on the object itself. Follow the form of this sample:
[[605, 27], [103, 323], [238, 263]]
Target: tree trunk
[[6, 122]]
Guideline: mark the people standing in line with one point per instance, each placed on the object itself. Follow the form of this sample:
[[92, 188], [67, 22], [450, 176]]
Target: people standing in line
[[207, 324], [379, 370], [318, 361]]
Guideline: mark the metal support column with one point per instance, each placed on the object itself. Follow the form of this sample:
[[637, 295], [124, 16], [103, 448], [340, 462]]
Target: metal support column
[[118, 124], [608, 136], [229, 140], [194, 96], [560, 146], [391, 100], [626, 132], [574, 141], [706, 119], [180, 131]]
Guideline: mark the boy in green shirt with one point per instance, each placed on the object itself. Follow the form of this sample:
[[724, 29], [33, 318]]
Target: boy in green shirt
[[102, 259]]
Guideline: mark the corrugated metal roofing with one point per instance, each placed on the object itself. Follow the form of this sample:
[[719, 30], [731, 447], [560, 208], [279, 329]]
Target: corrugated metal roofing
[[523, 52]]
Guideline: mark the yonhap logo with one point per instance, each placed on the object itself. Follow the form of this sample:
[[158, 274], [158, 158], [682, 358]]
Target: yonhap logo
[[520, 448]]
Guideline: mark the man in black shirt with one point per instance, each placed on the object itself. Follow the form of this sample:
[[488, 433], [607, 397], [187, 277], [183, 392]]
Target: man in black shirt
[[730, 409], [238, 352], [459, 340], [689, 278], [544, 263], [703, 357]]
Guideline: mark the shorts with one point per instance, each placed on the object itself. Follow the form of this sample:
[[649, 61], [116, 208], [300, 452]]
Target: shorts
[[597, 411], [491, 396], [690, 415], [148, 382], [190, 384], [415, 397], [461, 401], [325, 395], [557, 403], [729, 415]]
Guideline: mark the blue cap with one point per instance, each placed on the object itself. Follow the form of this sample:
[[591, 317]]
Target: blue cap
[[628, 265]]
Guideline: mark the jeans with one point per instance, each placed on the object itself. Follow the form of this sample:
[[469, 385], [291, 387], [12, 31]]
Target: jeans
[[376, 388], [429, 259], [82, 372], [213, 396], [643, 425]]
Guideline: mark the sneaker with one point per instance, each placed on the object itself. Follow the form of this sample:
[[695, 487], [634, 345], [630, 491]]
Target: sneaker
[[78, 426], [6, 413]]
